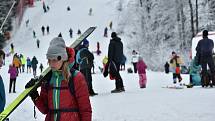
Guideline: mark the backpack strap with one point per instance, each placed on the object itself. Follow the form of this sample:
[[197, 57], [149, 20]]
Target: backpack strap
[[71, 81]]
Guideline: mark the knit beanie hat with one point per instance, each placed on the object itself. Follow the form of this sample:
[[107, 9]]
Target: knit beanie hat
[[205, 33], [57, 49], [85, 42]]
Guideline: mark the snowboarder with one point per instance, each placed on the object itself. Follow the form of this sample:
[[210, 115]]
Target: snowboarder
[[175, 62], [115, 53], [166, 66], [194, 71], [43, 30], [85, 60], [2, 53], [28, 65], [134, 61], [47, 29], [70, 32], [71, 101], [141, 68], [13, 74], [106, 32], [16, 62], [41, 67], [90, 11], [34, 63], [38, 43]]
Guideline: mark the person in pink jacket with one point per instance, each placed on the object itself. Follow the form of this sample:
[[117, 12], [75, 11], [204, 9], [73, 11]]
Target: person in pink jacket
[[141, 69]]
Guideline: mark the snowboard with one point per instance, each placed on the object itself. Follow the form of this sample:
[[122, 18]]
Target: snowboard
[[12, 106]]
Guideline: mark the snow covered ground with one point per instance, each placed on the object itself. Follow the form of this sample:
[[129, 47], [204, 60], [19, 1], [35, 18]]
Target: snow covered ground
[[151, 104]]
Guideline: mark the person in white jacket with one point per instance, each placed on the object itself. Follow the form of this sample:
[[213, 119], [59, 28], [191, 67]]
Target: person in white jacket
[[135, 57]]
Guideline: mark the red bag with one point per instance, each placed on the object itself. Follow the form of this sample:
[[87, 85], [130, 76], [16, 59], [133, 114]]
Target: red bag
[[177, 70]]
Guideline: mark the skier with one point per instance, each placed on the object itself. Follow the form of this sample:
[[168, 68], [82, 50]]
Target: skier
[[34, 63], [28, 65], [110, 25], [44, 7], [135, 57], [41, 67], [98, 51], [79, 32], [27, 22], [90, 11], [70, 32], [34, 34], [166, 66], [16, 62], [115, 53], [141, 68], [71, 102], [85, 60], [43, 30], [106, 32], [47, 29], [38, 43], [175, 62], [13, 74], [68, 8], [23, 62], [48, 8], [2, 53]]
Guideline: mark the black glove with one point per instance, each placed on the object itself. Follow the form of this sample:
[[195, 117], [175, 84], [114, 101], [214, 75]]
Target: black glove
[[34, 93]]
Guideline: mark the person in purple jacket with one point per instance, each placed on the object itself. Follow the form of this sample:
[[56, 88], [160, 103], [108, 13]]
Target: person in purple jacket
[[141, 69], [13, 74]]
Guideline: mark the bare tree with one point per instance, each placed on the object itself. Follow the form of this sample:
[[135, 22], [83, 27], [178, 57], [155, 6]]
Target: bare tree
[[197, 18], [191, 15]]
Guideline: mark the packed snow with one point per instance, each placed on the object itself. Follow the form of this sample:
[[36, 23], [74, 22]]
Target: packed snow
[[153, 103]]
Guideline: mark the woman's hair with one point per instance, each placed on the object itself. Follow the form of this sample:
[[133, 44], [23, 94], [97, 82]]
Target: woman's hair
[[65, 70]]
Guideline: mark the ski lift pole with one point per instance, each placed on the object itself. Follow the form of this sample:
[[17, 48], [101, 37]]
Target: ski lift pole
[[7, 16]]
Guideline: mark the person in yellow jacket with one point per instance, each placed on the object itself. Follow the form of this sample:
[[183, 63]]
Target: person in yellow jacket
[[16, 62], [23, 62], [175, 63]]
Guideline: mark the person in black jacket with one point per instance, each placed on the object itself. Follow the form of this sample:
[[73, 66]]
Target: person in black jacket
[[115, 55], [85, 60], [204, 51], [166, 66]]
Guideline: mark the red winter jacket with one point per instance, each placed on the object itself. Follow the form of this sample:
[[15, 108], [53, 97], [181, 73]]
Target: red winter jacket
[[66, 100]]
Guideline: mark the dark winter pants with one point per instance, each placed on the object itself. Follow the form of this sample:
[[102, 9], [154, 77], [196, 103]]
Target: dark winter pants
[[87, 74], [176, 76], [34, 72], [12, 82], [23, 67], [118, 82], [135, 67], [207, 61]]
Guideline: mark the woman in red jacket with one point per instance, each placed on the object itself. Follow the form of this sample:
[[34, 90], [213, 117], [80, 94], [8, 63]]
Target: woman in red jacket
[[55, 99]]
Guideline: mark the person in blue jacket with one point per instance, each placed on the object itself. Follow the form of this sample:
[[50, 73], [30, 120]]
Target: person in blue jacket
[[2, 90]]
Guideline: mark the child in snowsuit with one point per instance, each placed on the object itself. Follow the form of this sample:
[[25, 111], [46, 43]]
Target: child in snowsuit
[[141, 68]]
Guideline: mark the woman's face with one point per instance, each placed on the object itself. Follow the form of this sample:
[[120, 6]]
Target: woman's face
[[55, 64]]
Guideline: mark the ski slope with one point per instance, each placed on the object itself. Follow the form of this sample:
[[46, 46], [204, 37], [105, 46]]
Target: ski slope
[[151, 104]]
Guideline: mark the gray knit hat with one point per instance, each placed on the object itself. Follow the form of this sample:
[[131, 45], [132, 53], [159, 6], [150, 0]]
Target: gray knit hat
[[57, 49]]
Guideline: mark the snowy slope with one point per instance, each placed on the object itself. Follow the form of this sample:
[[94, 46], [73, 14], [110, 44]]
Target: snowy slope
[[151, 104]]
